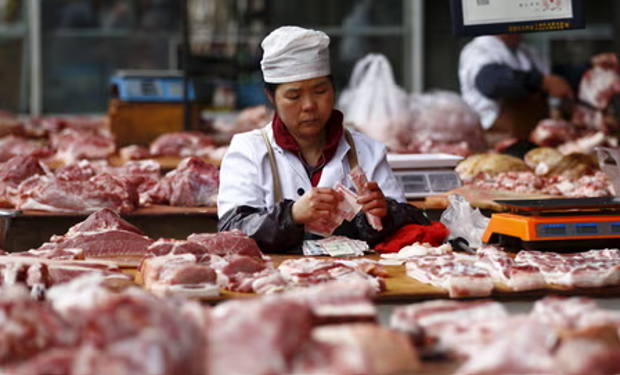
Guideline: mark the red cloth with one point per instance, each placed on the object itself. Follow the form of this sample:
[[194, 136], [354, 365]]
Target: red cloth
[[435, 234], [334, 128]]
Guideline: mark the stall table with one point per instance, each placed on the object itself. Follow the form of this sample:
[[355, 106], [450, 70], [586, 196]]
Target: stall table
[[33, 228], [402, 289]]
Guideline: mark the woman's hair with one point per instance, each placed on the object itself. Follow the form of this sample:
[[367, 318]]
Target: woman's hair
[[271, 87]]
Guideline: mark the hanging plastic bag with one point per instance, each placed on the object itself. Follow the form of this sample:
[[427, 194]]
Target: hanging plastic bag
[[373, 103]]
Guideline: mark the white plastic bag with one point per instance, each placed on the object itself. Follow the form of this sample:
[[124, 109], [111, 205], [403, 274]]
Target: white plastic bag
[[463, 221], [609, 161], [373, 103]]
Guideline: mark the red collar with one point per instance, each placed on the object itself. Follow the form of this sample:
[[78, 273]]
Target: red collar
[[334, 129]]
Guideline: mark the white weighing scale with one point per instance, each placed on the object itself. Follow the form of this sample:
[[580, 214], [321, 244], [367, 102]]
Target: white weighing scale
[[422, 175]]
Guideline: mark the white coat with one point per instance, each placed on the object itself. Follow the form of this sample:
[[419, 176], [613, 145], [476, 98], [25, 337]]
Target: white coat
[[246, 176], [486, 50]]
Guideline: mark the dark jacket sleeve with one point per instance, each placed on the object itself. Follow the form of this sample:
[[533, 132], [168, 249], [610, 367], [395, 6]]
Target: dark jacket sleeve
[[499, 81], [399, 214], [273, 229]]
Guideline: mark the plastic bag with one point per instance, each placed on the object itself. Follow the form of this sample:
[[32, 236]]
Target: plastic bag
[[373, 103], [463, 221], [609, 161]]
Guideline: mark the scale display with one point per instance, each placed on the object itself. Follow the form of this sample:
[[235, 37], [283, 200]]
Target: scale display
[[486, 17], [576, 230], [423, 183], [150, 86]]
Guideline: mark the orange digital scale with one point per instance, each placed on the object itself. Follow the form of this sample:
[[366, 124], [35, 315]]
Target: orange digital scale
[[559, 225]]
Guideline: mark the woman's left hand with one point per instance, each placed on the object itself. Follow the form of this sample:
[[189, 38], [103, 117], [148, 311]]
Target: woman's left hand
[[374, 201]]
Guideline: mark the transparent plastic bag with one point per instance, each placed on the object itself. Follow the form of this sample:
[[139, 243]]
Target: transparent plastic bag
[[463, 221]]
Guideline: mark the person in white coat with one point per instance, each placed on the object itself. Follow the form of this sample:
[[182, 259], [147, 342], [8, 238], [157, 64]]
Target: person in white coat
[[508, 83], [511, 85], [275, 180]]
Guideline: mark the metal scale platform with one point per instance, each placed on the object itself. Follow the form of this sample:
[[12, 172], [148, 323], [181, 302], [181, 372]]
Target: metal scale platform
[[422, 175], [559, 225]]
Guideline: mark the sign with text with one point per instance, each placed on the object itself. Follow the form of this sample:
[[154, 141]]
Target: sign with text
[[487, 17]]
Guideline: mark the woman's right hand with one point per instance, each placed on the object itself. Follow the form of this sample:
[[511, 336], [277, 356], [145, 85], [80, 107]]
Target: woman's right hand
[[557, 86], [316, 203]]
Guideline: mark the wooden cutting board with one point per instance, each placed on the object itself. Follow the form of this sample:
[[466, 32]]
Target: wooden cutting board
[[402, 289], [483, 199]]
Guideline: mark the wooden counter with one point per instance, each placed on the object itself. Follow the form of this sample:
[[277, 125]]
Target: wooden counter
[[483, 199], [402, 289]]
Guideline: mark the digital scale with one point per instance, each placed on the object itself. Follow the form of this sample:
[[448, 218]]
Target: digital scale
[[149, 86], [145, 104], [559, 225], [422, 175]]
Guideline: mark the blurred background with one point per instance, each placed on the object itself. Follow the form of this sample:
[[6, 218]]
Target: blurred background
[[53, 52]]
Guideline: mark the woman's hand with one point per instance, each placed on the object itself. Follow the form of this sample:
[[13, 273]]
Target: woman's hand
[[316, 203], [374, 201], [557, 86]]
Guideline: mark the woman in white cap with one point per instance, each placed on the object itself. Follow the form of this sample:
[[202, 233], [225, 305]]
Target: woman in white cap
[[277, 180]]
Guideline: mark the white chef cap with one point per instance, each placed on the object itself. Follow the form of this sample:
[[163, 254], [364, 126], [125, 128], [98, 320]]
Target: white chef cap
[[292, 53]]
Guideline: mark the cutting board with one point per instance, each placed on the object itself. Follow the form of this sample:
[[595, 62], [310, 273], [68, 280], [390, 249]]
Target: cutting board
[[404, 289], [477, 198]]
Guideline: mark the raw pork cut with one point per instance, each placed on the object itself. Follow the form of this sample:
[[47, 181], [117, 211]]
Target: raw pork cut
[[456, 273], [104, 235], [50, 193], [227, 243], [13, 173], [183, 144], [258, 336], [193, 183], [360, 348], [12, 145], [72, 145], [29, 327]]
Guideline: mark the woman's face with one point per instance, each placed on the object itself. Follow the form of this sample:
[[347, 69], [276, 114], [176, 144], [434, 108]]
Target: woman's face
[[305, 106]]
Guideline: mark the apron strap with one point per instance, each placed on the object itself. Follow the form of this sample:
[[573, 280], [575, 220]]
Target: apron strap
[[351, 156], [274, 168]]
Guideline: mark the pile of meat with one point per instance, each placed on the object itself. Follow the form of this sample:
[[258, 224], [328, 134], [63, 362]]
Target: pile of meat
[[177, 144], [84, 328], [593, 120], [568, 336], [38, 270], [543, 170], [27, 184], [58, 141], [70, 159], [441, 122], [493, 269], [203, 263], [61, 141]]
